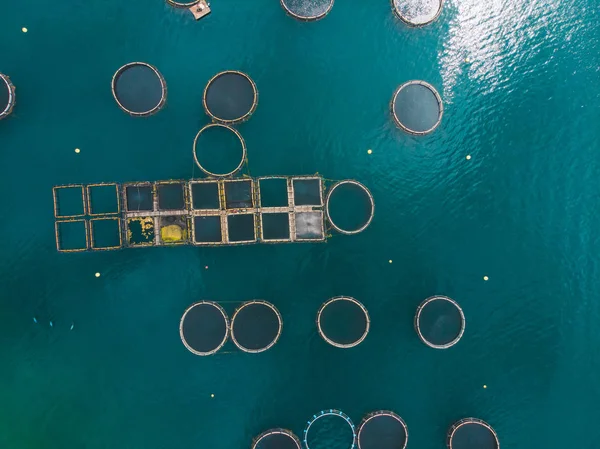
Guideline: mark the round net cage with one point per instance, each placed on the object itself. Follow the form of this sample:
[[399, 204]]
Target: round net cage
[[139, 89], [256, 326], [276, 439], [204, 328], [343, 322], [383, 429], [219, 150], [439, 322], [417, 107], [472, 433], [7, 96], [349, 207], [182, 4], [230, 97], [307, 10], [417, 12], [330, 429]]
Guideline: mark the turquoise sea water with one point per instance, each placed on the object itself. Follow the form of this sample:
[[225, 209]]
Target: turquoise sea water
[[520, 83]]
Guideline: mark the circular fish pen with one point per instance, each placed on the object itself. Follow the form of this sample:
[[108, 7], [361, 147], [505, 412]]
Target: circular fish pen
[[276, 439], [343, 322], [224, 143], [182, 4], [139, 89], [230, 97], [472, 433], [383, 429], [307, 10], [417, 13], [7, 96], [204, 328], [330, 429], [256, 326], [349, 207], [439, 322], [417, 107]]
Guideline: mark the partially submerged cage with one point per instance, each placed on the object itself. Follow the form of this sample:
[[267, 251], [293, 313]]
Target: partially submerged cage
[[332, 424], [219, 150], [256, 326], [7, 96], [417, 107], [139, 89], [349, 206], [382, 429], [204, 328], [417, 13], [439, 322], [472, 433], [276, 439], [307, 10], [343, 322], [230, 97]]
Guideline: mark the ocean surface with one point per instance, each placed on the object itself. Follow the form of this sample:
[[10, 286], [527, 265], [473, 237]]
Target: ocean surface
[[520, 81]]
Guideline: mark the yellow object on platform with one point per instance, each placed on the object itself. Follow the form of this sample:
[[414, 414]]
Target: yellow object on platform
[[172, 234]]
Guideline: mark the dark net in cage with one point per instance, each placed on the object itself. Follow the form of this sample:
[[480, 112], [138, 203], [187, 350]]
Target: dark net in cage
[[343, 322], [439, 322], [417, 12], [7, 96], [330, 429], [350, 207], [472, 433], [139, 89], [382, 430], [276, 439], [417, 107], [256, 326], [219, 150], [307, 9], [204, 328], [230, 97]]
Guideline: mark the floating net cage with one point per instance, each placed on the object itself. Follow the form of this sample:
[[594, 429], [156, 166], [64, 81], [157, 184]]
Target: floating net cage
[[383, 429], [276, 439], [350, 207], [417, 107], [215, 146], [439, 322], [307, 10], [103, 199], [139, 89], [417, 12], [7, 96], [256, 326], [343, 322], [230, 97], [71, 235], [69, 201], [105, 234], [204, 328], [330, 429], [472, 433]]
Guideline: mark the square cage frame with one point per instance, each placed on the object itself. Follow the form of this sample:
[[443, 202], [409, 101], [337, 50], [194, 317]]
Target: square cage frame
[[290, 194], [185, 192], [128, 243], [223, 192], [126, 185], [88, 196], [295, 230], [91, 233], [307, 178], [291, 231], [158, 241], [222, 218], [57, 224], [55, 190], [191, 195], [225, 228]]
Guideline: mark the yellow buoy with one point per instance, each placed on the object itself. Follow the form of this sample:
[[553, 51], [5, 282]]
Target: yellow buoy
[[468, 156], [369, 151], [390, 260], [485, 386], [97, 275], [77, 150], [212, 395], [24, 30], [485, 278]]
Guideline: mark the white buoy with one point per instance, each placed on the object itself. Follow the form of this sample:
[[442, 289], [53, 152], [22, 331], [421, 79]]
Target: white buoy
[[77, 150], [24, 30], [97, 275], [485, 278], [468, 156]]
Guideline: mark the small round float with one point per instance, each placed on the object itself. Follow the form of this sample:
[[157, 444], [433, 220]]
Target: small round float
[[139, 89], [276, 439], [383, 429], [256, 326], [307, 10], [417, 13], [7, 96], [230, 97], [417, 107], [472, 433], [204, 328], [221, 141], [349, 207], [439, 322], [343, 322], [324, 428]]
